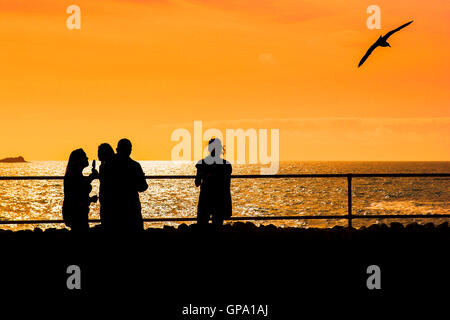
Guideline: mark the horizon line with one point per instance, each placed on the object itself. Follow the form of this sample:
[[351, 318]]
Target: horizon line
[[288, 160]]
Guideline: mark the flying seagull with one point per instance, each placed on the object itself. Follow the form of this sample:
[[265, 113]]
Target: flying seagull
[[381, 42]]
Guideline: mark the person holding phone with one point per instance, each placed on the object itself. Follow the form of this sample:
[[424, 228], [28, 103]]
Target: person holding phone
[[77, 189]]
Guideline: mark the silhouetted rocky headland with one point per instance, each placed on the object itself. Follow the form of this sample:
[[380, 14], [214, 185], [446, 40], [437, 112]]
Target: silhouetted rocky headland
[[19, 159]]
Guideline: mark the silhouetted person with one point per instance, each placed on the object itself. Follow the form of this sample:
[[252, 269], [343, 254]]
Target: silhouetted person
[[213, 177], [76, 192], [130, 180], [107, 193]]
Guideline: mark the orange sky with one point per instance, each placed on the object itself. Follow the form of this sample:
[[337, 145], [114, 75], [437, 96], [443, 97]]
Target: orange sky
[[143, 68]]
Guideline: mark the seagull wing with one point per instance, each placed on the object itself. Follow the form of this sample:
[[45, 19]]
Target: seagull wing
[[368, 53], [390, 33]]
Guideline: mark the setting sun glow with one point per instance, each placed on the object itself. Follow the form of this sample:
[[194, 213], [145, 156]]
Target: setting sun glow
[[143, 68]]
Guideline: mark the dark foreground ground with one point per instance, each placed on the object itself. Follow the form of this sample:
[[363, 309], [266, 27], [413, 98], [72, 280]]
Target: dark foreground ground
[[293, 271]]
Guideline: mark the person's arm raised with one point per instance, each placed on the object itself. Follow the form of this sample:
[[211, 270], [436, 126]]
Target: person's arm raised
[[94, 173]]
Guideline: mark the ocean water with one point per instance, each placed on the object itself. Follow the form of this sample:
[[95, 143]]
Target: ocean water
[[32, 200]]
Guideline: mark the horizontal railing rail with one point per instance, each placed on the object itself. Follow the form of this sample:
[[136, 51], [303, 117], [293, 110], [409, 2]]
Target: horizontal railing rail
[[349, 216], [261, 176]]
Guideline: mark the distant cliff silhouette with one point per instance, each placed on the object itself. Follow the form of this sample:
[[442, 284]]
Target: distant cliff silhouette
[[13, 160]]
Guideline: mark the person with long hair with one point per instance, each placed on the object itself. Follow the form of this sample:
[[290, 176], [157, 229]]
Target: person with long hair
[[77, 189], [213, 177], [107, 194]]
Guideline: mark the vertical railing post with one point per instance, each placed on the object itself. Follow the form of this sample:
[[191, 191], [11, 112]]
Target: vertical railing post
[[349, 196]]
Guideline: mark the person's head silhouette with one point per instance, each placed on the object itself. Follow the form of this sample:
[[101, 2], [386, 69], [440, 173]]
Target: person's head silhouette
[[124, 148], [105, 152], [215, 147], [77, 162]]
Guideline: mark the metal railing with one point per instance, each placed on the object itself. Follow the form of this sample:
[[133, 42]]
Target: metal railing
[[349, 216]]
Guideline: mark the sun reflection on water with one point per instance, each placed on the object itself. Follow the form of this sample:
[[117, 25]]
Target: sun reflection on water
[[34, 200]]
